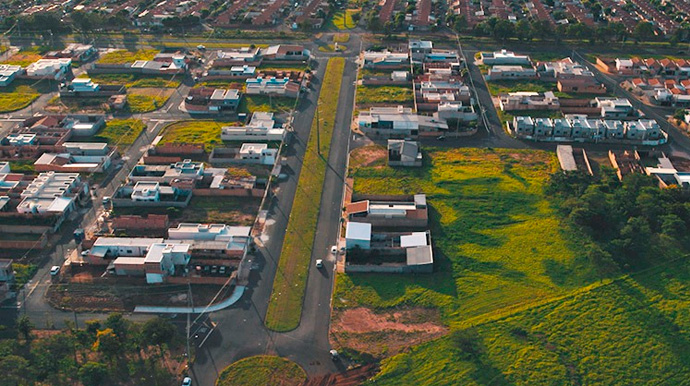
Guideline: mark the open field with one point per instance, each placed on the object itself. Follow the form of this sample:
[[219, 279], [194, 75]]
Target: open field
[[252, 103], [206, 132], [262, 370], [222, 83], [121, 132], [343, 19], [377, 95], [632, 331], [143, 100], [25, 57], [285, 307], [21, 93], [124, 56], [16, 101], [134, 80]]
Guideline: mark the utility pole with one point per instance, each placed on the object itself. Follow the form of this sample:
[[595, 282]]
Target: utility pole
[[318, 134]]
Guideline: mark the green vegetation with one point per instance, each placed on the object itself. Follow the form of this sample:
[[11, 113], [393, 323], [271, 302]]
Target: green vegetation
[[285, 307], [25, 56], [20, 94], [268, 66], [332, 48], [22, 166], [237, 84], [341, 38], [368, 95], [121, 132], [110, 352], [252, 103], [144, 100], [345, 19], [206, 132], [507, 86], [262, 370], [134, 80], [220, 210], [124, 56], [23, 273]]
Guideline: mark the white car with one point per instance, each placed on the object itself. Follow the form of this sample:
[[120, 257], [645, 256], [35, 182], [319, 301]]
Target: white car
[[319, 263], [54, 270], [334, 249], [187, 381]]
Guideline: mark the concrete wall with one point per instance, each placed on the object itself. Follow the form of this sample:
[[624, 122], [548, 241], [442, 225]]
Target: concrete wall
[[15, 244], [229, 192]]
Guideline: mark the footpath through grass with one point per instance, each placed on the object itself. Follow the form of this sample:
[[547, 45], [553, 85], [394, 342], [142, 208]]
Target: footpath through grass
[[262, 370], [285, 307]]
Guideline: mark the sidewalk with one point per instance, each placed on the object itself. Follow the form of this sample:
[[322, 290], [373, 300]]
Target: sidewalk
[[236, 295]]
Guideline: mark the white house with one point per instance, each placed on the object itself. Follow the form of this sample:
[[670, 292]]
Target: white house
[[503, 57], [358, 234], [52, 192], [259, 153], [49, 68], [261, 127], [8, 72], [84, 85]]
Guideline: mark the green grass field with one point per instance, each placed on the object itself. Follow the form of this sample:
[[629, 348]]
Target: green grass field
[[120, 131], [133, 80], [507, 86], [144, 100], [206, 132], [372, 95], [125, 56], [523, 303], [262, 370], [343, 19], [25, 57], [16, 101], [252, 103], [285, 307]]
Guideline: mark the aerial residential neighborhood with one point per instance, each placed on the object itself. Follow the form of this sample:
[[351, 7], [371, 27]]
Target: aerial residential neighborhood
[[314, 193]]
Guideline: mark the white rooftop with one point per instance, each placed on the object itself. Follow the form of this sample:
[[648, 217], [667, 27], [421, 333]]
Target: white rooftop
[[358, 231], [416, 239]]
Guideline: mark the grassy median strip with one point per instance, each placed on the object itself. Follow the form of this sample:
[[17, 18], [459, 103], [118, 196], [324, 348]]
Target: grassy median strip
[[285, 307]]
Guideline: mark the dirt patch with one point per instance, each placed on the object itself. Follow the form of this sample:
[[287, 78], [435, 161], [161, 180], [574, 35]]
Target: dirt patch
[[385, 333], [368, 156]]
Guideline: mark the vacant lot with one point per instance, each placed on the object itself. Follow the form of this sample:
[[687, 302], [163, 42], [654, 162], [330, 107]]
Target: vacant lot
[[262, 370], [25, 57], [285, 307], [134, 80], [220, 210], [252, 103], [124, 56], [507, 86], [122, 132], [384, 95], [143, 100], [206, 132], [343, 19], [21, 93]]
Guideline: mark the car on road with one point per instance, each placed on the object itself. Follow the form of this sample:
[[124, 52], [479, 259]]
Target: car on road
[[319, 263], [441, 137], [187, 381], [334, 355], [334, 249], [54, 270]]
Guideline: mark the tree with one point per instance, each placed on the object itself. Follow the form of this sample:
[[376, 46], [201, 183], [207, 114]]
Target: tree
[[673, 226], [24, 326], [93, 373], [118, 324], [157, 332], [523, 30], [503, 30], [107, 343], [643, 31], [679, 116], [15, 370], [372, 21]]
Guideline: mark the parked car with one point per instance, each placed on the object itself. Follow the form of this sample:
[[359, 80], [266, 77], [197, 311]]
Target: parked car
[[334, 249], [441, 137], [334, 355], [319, 263], [187, 381], [54, 270]]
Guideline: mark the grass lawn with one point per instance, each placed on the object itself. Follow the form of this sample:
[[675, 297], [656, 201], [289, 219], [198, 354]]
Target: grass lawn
[[121, 132], [341, 38], [262, 370], [373, 95], [134, 80], [343, 19], [197, 131], [22, 166], [266, 66], [143, 100], [16, 101], [222, 83], [285, 306], [252, 103], [331, 48], [124, 56]]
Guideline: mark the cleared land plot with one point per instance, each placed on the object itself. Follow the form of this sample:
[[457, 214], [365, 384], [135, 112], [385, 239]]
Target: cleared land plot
[[134, 80], [122, 132], [125, 56], [143, 100], [220, 210], [384, 95], [508, 86], [21, 93], [206, 132], [262, 370], [24, 57], [343, 19], [285, 307]]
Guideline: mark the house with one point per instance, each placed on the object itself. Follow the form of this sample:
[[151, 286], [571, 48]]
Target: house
[[286, 52], [520, 101], [50, 68], [186, 170], [213, 243], [390, 212], [420, 47], [523, 125], [581, 85], [455, 110], [259, 153], [398, 122], [238, 57], [543, 127], [206, 100], [52, 193], [404, 153], [7, 73], [643, 129], [400, 76], [625, 66], [242, 71], [161, 260], [385, 59], [272, 86], [503, 57], [75, 51], [261, 127], [178, 65], [358, 235], [503, 72], [68, 163], [84, 85], [615, 108]]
